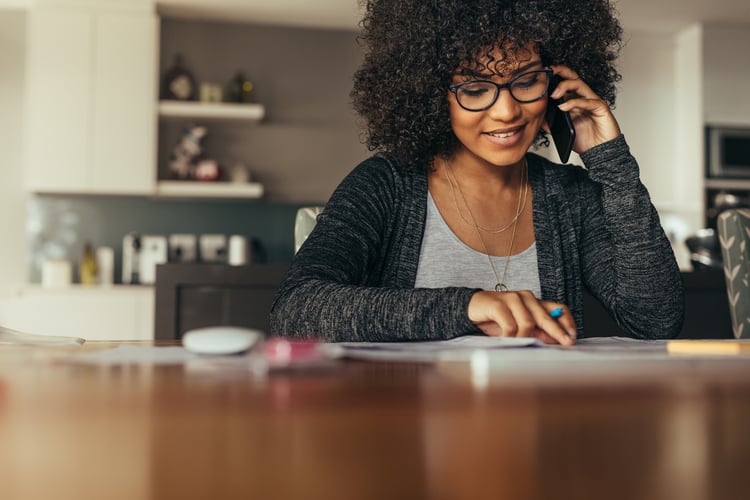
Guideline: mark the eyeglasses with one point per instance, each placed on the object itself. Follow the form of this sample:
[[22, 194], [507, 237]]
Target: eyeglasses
[[478, 95]]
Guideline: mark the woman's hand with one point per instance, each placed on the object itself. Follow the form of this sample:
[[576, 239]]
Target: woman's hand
[[521, 314], [592, 117]]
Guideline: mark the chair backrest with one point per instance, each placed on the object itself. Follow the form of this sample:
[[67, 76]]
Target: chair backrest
[[734, 236], [304, 224]]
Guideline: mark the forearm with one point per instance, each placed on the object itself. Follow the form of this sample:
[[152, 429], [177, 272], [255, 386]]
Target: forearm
[[337, 312], [633, 268]]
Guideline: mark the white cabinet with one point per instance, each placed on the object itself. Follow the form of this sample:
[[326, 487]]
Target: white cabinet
[[91, 97], [89, 312], [14, 4], [726, 74]]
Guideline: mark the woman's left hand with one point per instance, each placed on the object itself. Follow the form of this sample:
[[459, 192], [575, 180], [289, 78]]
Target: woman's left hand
[[592, 119]]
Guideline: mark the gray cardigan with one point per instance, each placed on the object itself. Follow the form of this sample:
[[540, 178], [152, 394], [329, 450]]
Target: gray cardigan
[[353, 279]]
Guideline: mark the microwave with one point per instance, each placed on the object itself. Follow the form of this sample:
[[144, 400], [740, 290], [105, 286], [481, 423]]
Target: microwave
[[728, 152]]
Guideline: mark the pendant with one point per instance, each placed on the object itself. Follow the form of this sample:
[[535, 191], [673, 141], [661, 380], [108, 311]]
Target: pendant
[[500, 287]]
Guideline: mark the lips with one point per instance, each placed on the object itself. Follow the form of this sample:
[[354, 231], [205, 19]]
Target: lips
[[506, 137], [504, 134]]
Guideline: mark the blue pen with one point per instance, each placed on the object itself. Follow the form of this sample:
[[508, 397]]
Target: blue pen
[[556, 312]]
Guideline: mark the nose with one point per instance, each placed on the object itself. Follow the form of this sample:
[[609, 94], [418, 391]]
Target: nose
[[505, 108]]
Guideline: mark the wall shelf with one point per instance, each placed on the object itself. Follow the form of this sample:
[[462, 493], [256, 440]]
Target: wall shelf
[[209, 189], [211, 111], [736, 184], [192, 110]]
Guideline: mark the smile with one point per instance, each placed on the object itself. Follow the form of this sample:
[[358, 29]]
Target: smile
[[503, 134]]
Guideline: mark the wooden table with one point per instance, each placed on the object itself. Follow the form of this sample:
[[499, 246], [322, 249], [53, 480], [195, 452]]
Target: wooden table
[[363, 431]]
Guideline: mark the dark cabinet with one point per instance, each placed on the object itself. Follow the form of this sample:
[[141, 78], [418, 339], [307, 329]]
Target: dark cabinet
[[706, 310], [191, 296], [195, 295]]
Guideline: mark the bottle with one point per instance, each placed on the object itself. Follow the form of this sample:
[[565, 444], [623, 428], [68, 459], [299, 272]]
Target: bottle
[[239, 89], [105, 262], [135, 260], [178, 83], [88, 270]]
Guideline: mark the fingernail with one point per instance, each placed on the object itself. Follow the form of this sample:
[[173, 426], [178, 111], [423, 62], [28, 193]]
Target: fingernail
[[571, 333]]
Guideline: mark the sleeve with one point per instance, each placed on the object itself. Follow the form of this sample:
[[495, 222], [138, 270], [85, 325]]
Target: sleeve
[[627, 260], [335, 290]]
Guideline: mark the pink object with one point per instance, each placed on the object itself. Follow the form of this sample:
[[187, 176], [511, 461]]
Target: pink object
[[281, 351]]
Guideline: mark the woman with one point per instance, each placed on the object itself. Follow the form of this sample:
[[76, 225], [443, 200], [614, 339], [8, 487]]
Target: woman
[[454, 227]]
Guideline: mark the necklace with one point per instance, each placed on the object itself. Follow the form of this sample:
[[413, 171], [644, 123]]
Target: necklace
[[519, 208], [500, 285]]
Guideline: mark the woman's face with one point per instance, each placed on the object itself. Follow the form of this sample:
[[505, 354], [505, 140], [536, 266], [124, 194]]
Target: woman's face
[[501, 134]]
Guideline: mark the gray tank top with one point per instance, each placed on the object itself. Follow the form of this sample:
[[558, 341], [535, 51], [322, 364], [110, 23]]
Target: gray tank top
[[445, 261]]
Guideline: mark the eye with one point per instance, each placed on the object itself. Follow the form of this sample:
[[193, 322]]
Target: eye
[[527, 80], [474, 89]]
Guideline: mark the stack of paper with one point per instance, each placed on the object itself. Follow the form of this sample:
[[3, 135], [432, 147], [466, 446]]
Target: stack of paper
[[13, 337]]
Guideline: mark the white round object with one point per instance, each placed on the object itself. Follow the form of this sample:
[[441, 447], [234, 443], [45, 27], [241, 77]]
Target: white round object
[[220, 339], [239, 250], [57, 273]]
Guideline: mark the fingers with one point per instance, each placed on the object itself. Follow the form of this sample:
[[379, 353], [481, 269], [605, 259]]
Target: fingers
[[565, 72], [571, 85], [592, 117], [593, 122], [520, 314], [564, 321]]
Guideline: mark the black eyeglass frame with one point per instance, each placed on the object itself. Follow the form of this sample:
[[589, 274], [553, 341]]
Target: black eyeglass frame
[[499, 86]]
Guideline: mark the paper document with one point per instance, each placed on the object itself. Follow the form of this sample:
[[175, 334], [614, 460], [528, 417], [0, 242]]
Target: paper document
[[13, 337], [428, 351], [464, 342], [457, 347], [126, 354]]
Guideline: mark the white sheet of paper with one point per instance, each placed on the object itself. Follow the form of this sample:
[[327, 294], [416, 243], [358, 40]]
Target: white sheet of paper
[[458, 343], [127, 354], [502, 347], [430, 351]]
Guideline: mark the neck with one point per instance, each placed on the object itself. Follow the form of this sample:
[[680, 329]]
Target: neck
[[478, 175]]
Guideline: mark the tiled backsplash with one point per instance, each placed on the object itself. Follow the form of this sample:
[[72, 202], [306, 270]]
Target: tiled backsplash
[[59, 226]]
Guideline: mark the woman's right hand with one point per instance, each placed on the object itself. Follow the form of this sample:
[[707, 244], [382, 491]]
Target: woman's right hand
[[521, 314]]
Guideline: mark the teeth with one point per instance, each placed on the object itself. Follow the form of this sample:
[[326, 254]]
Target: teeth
[[501, 134]]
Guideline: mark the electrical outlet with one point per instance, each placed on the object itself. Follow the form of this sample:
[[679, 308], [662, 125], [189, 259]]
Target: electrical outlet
[[213, 247], [182, 248]]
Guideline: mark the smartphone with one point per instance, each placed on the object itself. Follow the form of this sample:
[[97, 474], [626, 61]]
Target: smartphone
[[560, 125]]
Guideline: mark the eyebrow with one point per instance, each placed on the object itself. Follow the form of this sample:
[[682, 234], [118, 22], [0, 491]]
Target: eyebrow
[[518, 71]]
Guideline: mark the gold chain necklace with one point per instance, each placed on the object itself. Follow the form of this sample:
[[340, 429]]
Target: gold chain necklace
[[520, 207], [500, 285]]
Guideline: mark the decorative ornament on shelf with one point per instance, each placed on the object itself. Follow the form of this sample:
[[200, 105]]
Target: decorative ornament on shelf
[[240, 173], [207, 170], [239, 89], [187, 161], [178, 83], [211, 92]]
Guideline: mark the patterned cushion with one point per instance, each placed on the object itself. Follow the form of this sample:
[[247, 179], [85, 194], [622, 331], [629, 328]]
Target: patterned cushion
[[734, 236]]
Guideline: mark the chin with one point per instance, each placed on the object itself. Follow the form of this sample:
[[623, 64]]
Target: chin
[[506, 159]]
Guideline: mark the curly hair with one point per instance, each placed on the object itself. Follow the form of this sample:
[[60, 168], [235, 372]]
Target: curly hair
[[413, 48]]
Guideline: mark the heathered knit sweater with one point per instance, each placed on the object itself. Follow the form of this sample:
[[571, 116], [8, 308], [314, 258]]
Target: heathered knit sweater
[[353, 279]]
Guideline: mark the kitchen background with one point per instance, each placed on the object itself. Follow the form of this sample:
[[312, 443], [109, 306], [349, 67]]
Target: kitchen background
[[69, 175], [305, 142]]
